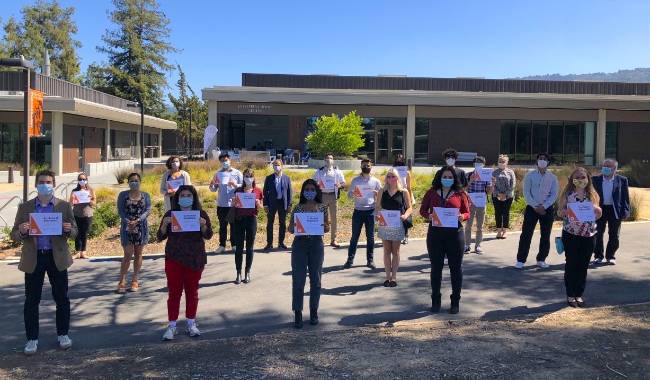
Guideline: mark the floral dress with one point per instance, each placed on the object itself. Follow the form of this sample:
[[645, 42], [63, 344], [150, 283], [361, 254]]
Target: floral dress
[[586, 229], [134, 210]]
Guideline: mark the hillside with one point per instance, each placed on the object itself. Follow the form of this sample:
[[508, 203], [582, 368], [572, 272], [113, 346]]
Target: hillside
[[638, 75]]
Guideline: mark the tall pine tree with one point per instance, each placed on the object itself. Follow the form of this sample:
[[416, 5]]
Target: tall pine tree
[[136, 52], [186, 100]]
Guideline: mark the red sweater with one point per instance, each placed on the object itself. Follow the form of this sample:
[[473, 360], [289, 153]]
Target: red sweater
[[249, 211], [433, 199]]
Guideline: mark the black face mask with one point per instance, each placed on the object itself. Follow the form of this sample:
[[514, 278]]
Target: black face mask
[[399, 163], [365, 170]]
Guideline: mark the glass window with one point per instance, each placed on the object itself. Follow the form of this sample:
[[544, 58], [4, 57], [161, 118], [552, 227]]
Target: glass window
[[556, 140], [589, 142], [540, 137], [508, 138], [611, 139], [571, 142], [421, 140], [10, 143], [523, 138]]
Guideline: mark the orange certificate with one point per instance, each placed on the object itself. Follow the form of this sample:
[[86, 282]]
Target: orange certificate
[[174, 184], [308, 223], [186, 221], [445, 217], [45, 223], [581, 212], [244, 200], [389, 218], [81, 196]]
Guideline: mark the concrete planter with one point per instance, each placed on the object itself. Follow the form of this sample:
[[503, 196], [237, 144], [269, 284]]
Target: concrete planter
[[99, 168], [341, 164]]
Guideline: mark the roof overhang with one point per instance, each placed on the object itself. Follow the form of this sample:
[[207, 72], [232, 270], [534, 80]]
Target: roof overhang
[[86, 108], [424, 98]]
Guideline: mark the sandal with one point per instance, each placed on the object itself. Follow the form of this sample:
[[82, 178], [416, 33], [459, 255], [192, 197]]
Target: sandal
[[121, 288], [386, 283], [134, 286]]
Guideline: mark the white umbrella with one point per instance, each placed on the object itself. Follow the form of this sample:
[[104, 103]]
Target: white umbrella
[[209, 137]]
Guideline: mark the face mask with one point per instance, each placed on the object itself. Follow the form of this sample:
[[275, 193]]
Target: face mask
[[399, 163], [176, 164], [365, 170], [450, 161], [248, 181], [277, 168], [478, 166], [542, 164], [447, 182], [185, 202], [329, 163], [44, 189], [502, 166], [226, 165], [134, 185], [580, 183], [607, 171], [309, 195], [82, 182]]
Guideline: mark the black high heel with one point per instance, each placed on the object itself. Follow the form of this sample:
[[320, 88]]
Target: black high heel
[[247, 278], [313, 317], [435, 304], [238, 279]]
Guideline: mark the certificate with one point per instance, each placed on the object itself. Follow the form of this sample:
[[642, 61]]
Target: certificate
[[81, 196], [444, 217], [581, 211], [222, 178], [478, 199], [327, 183], [308, 223], [45, 223], [486, 174], [390, 218], [174, 184], [244, 200], [402, 171], [186, 221], [364, 191]]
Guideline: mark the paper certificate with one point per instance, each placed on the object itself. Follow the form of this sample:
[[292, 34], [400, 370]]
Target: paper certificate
[[581, 212], [402, 171], [486, 174], [45, 223], [478, 199], [81, 196], [364, 191], [327, 183], [244, 200], [222, 178], [186, 221], [444, 217], [389, 218], [308, 223], [174, 184]]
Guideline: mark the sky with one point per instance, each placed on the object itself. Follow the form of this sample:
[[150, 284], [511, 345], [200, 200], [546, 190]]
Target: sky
[[220, 39]]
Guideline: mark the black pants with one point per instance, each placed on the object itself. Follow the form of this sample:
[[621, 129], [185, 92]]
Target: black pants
[[448, 242], [83, 225], [365, 219], [577, 250], [222, 214], [307, 252], [502, 212], [33, 289], [545, 225], [613, 224], [276, 206], [245, 231]]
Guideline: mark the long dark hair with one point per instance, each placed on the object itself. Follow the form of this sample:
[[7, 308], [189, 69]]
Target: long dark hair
[[319, 193], [196, 205], [78, 187], [437, 179]]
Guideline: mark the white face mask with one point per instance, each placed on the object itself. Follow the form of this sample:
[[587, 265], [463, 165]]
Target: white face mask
[[277, 168], [450, 161], [478, 166], [176, 164], [248, 181], [542, 164], [329, 163], [502, 165]]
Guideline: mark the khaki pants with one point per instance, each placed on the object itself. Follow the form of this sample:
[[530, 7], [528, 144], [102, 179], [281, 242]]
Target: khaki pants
[[329, 199], [479, 213]]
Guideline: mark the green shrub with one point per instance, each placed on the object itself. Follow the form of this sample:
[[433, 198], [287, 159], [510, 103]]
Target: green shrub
[[639, 173], [5, 236], [339, 136], [159, 207], [97, 227], [153, 232], [108, 213], [122, 174], [635, 207], [105, 194]]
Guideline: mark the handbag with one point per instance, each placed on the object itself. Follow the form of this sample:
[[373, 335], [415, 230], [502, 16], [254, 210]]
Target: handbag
[[408, 222]]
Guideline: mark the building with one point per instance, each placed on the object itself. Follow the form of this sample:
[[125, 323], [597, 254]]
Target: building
[[82, 130], [581, 122]]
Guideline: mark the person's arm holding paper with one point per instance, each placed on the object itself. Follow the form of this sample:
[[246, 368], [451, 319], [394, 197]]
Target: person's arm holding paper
[[69, 224]]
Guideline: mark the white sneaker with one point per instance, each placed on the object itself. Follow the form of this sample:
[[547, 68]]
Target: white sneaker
[[478, 250], [542, 264], [519, 265], [611, 261], [169, 333], [193, 330], [31, 347], [221, 249], [64, 342], [445, 262]]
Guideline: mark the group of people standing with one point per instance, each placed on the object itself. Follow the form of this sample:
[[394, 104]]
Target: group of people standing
[[455, 198]]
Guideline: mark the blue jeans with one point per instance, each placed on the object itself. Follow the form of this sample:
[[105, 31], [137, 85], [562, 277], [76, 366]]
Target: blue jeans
[[362, 218]]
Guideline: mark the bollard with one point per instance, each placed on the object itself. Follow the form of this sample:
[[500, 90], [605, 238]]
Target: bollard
[[10, 174]]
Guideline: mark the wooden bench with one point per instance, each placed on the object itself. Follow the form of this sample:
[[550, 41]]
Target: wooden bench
[[466, 156]]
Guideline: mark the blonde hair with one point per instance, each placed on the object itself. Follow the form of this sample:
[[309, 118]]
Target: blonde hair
[[504, 157], [591, 193], [394, 172]]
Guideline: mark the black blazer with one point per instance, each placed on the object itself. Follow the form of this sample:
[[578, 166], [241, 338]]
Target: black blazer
[[271, 194], [620, 195]]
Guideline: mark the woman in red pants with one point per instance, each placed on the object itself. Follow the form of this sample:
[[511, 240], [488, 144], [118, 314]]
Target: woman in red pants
[[185, 257]]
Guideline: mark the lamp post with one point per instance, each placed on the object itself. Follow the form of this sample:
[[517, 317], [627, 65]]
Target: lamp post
[[134, 105], [26, 66]]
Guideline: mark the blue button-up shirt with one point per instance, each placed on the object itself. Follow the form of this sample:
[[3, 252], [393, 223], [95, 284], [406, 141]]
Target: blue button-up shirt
[[278, 186], [44, 242], [540, 188]]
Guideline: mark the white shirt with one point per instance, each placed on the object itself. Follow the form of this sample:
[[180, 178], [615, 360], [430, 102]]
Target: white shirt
[[608, 190], [332, 172]]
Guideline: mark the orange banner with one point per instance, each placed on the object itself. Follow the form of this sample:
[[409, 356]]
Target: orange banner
[[36, 113]]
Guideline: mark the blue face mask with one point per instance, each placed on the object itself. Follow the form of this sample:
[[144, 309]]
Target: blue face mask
[[185, 202], [607, 171], [225, 165], [447, 182], [309, 195], [134, 185], [44, 189]]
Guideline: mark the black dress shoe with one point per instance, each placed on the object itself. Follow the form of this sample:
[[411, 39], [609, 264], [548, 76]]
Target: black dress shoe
[[572, 302], [267, 248], [455, 307], [580, 303], [387, 283], [347, 265], [247, 278], [282, 246], [371, 265], [435, 305], [238, 279], [313, 317], [393, 284], [297, 319]]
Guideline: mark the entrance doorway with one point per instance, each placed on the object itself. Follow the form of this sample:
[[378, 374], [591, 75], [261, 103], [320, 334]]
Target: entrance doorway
[[389, 141]]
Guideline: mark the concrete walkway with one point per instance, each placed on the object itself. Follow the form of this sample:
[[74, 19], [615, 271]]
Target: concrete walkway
[[354, 297]]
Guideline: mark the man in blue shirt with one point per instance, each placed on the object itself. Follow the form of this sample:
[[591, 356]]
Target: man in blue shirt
[[540, 192]]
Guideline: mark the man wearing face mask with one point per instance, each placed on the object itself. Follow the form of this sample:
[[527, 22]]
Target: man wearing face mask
[[363, 189], [540, 192], [45, 254], [450, 155], [225, 181], [615, 203], [476, 186], [330, 180], [277, 200]]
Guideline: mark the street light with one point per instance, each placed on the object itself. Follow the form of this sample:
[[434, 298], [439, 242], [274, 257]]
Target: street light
[[134, 105], [26, 66]]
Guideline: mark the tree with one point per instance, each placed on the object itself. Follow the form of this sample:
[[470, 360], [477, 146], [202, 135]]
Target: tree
[[136, 52], [339, 136], [45, 26], [186, 100]]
